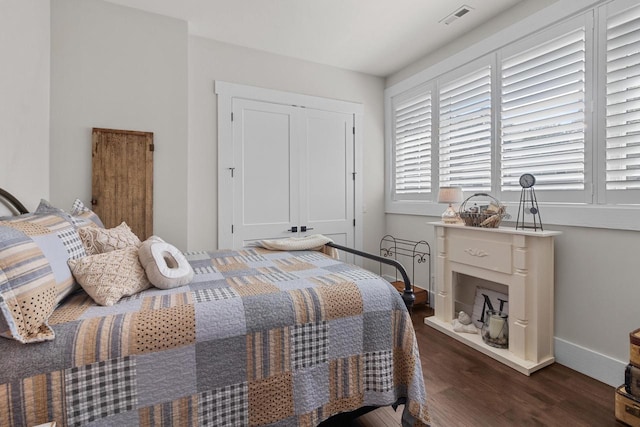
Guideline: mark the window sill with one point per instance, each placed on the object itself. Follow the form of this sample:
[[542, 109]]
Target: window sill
[[573, 215]]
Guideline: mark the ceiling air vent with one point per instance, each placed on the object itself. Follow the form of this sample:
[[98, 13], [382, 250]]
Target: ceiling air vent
[[458, 13]]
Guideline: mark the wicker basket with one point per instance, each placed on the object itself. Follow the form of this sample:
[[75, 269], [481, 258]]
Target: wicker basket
[[487, 215]]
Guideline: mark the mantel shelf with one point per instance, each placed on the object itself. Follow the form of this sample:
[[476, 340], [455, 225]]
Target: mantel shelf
[[505, 230]]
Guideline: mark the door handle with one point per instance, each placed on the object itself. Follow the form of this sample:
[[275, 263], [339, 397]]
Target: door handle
[[293, 229], [305, 228]]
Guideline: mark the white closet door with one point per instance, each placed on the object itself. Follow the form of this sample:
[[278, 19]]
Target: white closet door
[[293, 171], [327, 194], [266, 173]]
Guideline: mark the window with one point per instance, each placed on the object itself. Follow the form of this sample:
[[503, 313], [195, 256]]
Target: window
[[623, 104], [543, 120], [412, 148], [465, 132], [562, 103]]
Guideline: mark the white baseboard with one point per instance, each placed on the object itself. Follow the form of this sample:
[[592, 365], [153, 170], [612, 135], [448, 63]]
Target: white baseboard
[[588, 362]]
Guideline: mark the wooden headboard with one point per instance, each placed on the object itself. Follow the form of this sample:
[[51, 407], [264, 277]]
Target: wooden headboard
[[9, 205]]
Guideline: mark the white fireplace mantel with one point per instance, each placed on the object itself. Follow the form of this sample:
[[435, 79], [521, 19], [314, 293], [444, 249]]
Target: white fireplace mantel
[[520, 259]]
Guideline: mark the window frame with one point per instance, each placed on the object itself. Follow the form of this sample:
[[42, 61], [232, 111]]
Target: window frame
[[596, 209]]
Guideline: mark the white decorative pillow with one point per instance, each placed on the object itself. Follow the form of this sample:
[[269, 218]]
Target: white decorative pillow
[[165, 265], [109, 276], [99, 240]]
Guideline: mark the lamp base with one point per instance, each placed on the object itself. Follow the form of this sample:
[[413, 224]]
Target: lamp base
[[450, 216], [452, 221]]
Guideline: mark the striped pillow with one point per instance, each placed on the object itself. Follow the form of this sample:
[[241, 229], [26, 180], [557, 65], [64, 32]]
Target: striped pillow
[[34, 275], [80, 215]]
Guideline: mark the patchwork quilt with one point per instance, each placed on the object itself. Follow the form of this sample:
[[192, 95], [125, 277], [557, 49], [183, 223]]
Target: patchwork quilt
[[258, 338]]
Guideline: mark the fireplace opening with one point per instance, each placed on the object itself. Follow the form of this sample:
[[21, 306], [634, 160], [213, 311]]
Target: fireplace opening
[[475, 296]]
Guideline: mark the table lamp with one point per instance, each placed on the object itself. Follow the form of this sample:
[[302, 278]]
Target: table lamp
[[450, 195]]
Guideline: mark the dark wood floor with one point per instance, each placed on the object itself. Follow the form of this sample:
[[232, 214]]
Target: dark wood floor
[[467, 388]]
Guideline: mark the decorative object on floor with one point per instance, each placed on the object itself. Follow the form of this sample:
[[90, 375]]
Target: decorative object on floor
[[450, 195], [482, 210], [488, 299], [495, 329], [463, 324], [528, 204], [419, 252], [626, 408], [464, 318], [467, 329], [628, 394], [634, 350], [632, 380]]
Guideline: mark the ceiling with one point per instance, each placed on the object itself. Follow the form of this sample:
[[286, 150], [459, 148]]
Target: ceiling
[[377, 37]]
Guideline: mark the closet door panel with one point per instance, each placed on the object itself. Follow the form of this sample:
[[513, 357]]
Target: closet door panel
[[265, 170], [266, 190], [328, 185]]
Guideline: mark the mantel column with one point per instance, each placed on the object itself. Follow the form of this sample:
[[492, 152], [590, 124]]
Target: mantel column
[[444, 295], [518, 313]]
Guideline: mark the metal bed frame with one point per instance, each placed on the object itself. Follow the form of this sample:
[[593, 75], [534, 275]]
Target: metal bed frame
[[15, 203], [407, 295]]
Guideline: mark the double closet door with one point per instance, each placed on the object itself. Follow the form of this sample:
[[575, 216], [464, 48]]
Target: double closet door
[[292, 173]]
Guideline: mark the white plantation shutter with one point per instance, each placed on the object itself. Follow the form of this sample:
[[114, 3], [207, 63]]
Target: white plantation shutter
[[543, 115], [412, 146], [623, 101], [561, 103], [465, 132]]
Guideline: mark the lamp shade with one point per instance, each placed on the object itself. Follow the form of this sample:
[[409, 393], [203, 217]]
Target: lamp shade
[[450, 195]]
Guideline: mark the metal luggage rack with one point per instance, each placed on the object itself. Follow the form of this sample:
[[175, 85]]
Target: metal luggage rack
[[418, 251]]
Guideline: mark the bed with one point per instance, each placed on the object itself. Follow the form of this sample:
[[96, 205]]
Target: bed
[[258, 337]]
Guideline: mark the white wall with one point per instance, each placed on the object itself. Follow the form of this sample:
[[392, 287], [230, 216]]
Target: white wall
[[596, 272], [24, 99], [120, 68], [211, 60], [519, 11]]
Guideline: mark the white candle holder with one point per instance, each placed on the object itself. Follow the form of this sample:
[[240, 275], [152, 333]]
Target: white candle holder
[[495, 329]]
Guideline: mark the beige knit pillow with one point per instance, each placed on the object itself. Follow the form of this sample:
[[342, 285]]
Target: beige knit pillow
[[99, 240], [109, 276]]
